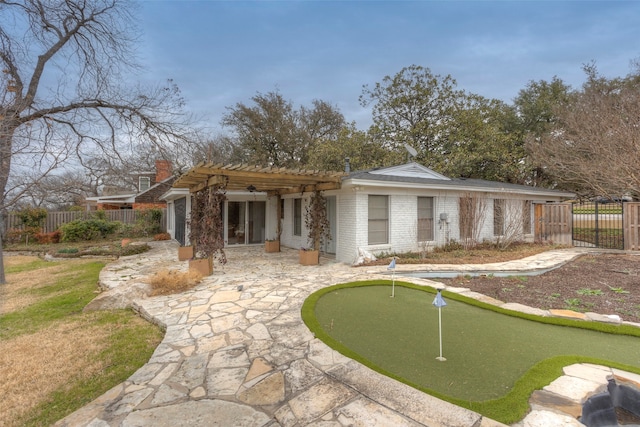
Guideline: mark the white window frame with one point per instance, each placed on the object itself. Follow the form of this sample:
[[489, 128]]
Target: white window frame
[[378, 220]]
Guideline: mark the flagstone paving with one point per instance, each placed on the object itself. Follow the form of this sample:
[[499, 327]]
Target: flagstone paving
[[236, 353]]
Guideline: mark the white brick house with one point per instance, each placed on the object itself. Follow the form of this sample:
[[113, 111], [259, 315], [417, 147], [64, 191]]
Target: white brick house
[[380, 211], [388, 210]]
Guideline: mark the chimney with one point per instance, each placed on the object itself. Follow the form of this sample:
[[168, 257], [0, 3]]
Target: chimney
[[163, 170], [347, 165]]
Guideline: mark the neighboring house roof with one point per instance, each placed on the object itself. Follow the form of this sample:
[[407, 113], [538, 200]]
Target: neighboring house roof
[[415, 175], [150, 194]]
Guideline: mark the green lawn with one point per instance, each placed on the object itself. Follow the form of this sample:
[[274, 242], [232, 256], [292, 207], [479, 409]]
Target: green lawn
[[121, 344], [494, 361]]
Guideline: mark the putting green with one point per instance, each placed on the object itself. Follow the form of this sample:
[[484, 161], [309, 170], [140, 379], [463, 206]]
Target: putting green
[[486, 351]]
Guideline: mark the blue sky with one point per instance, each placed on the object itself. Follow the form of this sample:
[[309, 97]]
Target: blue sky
[[224, 52]]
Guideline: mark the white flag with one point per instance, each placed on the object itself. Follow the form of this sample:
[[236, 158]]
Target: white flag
[[439, 301], [392, 265]]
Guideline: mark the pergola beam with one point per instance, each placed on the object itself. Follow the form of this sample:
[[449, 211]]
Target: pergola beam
[[264, 179]]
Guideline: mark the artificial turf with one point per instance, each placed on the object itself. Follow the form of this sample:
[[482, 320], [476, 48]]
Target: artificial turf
[[489, 354]]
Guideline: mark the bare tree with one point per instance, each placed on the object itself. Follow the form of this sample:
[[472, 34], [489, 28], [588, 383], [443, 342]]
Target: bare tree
[[61, 95], [472, 212], [509, 216], [593, 148]]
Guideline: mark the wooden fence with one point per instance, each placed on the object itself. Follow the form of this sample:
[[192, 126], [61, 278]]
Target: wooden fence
[[631, 226], [56, 219], [553, 223]]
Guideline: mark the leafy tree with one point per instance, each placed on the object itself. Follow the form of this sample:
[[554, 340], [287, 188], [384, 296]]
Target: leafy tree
[[61, 94], [414, 107], [272, 132], [593, 147], [362, 150], [536, 113], [455, 133], [480, 145]]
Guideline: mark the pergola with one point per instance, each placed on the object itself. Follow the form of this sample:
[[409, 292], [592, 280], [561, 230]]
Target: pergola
[[272, 180]]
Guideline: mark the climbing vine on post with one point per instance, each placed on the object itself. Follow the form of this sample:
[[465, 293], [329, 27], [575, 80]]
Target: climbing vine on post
[[317, 221], [206, 224]]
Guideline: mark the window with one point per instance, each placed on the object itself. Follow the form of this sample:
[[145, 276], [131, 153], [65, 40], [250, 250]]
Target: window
[[297, 217], [498, 217], [425, 219], [378, 220], [526, 217], [144, 182]]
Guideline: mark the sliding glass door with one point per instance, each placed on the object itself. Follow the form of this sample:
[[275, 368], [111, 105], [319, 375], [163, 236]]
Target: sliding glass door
[[245, 223]]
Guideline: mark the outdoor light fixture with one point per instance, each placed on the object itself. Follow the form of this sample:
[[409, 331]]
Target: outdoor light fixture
[[251, 188]]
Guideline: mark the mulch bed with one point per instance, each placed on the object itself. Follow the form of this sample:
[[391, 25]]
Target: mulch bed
[[604, 284]]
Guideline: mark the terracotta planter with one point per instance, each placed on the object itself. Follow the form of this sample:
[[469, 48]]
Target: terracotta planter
[[203, 266], [311, 257], [272, 246], [185, 253]]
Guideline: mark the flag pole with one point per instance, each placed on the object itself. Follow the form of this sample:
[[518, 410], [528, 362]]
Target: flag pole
[[442, 359], [393, 283], [392, 267], [439, 302]]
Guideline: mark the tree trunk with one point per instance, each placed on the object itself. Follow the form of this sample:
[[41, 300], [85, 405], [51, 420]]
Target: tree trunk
[[7, 129]]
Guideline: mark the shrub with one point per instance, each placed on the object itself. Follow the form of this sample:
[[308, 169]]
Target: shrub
[[166, 282], [99, 214], [53, 237], [32, 217], [134, 249], [148, 221], [162, 236], [90, 229], [68, 251], [21, 235]]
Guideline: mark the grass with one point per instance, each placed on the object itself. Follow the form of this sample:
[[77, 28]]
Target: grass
[[54, 358], [510, 357]]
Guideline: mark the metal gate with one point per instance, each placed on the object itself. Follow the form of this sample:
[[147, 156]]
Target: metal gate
[[598, 225]]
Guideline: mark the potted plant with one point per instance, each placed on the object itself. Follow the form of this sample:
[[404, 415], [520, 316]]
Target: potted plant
[[206, 232], [185, 253], [272, 245], [318, 228]]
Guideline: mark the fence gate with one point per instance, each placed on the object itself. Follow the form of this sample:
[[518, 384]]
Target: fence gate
[[553, 223], [598, 225]]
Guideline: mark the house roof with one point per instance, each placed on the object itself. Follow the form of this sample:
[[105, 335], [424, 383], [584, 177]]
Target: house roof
[[131, 197], [415, 175], [258, 178]]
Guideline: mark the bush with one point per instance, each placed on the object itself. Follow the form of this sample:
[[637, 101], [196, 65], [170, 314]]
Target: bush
[[32, 217], [21, 235], [53, 237], [148, 222], [99, 214], [134, 249], [167, 282], [90, 229]]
